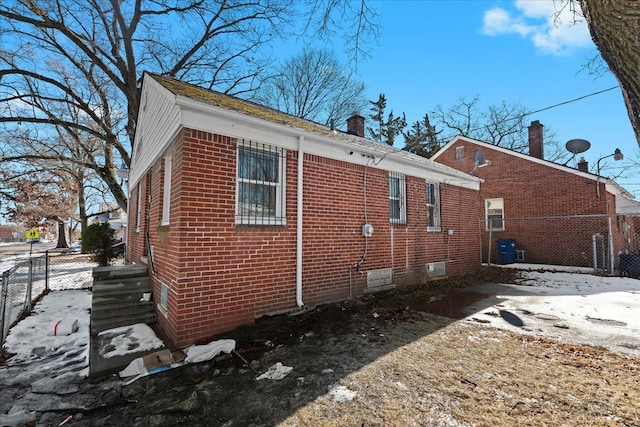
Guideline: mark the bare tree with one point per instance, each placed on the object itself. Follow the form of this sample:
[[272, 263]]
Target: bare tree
[[502, 125], [86, 56], [315, 86], [613, 25]]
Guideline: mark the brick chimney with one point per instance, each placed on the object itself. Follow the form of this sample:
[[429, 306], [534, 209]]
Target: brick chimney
[[535, 140], [355, 125], [583, 165]]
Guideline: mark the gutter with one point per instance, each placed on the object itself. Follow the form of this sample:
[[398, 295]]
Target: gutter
[[299, 223]]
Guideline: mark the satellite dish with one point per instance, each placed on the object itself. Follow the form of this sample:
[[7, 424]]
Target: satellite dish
[[478, 157], [577, 146]]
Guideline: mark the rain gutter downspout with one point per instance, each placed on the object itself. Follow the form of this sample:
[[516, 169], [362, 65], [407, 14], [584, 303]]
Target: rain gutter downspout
[[299, 223]]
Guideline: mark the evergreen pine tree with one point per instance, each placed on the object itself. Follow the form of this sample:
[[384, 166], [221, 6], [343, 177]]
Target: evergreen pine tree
[[377, 109], [394, 126], [422, 138]]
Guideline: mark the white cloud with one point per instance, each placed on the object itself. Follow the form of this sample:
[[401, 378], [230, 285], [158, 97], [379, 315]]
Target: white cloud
[[538, 21]]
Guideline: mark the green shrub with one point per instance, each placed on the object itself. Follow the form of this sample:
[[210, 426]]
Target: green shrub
[[97, 240]]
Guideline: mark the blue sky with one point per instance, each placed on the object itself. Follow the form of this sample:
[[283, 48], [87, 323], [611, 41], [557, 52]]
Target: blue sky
[[434, 52]]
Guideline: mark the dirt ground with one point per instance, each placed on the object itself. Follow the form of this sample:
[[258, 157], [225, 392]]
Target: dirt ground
[[380, 361]]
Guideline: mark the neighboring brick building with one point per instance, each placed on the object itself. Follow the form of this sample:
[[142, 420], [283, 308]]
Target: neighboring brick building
[[241, 211], [556, 214], [10, 233]]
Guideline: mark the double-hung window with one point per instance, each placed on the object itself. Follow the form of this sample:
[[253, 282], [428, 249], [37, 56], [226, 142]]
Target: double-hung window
[[494, 214], [397, 199], [260, 193], [166, 189], [433, 206]]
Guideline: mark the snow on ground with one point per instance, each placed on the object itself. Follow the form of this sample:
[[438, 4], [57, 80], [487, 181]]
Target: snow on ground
[[42, 356], [571, 307]]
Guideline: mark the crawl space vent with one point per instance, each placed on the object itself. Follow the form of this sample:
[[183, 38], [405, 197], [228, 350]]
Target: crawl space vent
[[379, 278], [436, 269]]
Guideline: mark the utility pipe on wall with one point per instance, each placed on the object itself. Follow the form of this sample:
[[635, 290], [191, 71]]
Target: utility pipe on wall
[[299, 223]]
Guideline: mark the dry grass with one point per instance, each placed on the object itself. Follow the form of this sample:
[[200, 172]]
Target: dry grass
[[469, 374]]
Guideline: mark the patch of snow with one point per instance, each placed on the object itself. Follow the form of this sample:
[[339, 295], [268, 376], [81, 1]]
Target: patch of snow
[[41, 354], [341, 394], [575, 308], [129, 339]]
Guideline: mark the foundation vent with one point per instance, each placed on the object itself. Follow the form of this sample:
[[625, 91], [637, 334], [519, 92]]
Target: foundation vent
[[436, 269], [377, 279]]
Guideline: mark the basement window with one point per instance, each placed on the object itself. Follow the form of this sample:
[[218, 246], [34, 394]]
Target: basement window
[[397, 199], [164, 296], [260, 193]]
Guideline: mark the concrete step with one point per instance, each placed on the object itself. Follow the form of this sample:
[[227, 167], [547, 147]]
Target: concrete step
[[99, 325], [115, 272], [121, 286], [120, 298], [120, 309]]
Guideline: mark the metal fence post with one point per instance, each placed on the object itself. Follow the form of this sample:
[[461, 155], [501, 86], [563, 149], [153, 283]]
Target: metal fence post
[[27, 303], [46, 270], [3, 304]]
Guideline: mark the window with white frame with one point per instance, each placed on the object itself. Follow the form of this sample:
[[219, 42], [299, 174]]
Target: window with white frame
[[166, 191], [433, 206], [494, 214], [164, 296], [397, 198], [460, 152], [260, 192]]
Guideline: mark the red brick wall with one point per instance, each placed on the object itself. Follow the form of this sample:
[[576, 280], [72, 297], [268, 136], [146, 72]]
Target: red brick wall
[[535, 197], [222, 275]]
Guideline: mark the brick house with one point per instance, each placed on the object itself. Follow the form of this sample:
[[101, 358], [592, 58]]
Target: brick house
[[241, 211], [556, 214]]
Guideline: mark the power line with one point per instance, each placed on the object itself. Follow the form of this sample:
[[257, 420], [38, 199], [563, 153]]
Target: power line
[[547, 108], [570, 101]]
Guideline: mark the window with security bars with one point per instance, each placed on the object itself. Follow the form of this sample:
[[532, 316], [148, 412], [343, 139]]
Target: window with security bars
[[433, 206], [494, 214], [260, 195], [397, 199]]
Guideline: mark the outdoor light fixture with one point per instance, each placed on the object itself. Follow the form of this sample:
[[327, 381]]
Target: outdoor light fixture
[[122, 172], [617, 155]]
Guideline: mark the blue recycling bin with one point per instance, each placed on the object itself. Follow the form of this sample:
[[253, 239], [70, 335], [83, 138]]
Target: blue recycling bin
[[506, 251]]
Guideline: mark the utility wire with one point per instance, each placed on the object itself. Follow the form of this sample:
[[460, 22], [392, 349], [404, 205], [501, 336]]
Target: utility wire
[[546, 108], [570, 101]]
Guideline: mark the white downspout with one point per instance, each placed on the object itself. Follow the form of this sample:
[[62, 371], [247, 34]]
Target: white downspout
[[299, 224]]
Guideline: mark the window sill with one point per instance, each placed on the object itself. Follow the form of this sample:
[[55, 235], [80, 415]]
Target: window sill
[[162, 310]]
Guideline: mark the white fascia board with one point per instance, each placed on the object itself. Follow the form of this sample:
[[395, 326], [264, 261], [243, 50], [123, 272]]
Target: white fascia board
[[199, 116]]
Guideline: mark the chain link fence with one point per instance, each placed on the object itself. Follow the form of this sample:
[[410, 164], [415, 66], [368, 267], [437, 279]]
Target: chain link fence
[[604, 243], [28, 280], [21, 285]]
